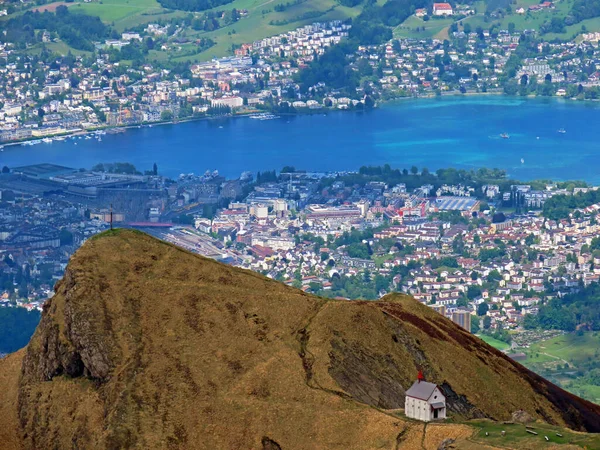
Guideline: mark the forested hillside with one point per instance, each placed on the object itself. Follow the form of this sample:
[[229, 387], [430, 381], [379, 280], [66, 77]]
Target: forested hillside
[[77, 30], [580, 310], [585, 9]]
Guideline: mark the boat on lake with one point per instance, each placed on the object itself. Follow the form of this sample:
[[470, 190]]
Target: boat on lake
[[562, 131], [263, 116], [504, 136]]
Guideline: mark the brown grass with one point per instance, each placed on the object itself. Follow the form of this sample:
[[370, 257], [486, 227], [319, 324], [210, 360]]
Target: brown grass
[[166, 349], [51, 7], [9, 382]]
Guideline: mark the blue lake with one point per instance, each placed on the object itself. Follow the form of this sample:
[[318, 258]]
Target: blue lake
[[432, 133]]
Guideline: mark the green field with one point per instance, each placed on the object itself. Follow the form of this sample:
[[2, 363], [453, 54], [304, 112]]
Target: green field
[[57, 47], [516, 436], [116, 10], [580, 354], [433, 28], [500, 345], [568, 347]]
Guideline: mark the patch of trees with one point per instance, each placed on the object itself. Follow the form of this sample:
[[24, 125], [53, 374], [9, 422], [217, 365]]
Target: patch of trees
[[283, 6], [118, 167], [205, 44], [135, 51], [556, 25], [332, 68], [369, 29], [353, 237], [414, 178], [269, 176], [500, 334], [488, 254], [213, 20], [359, 250], [580, 310], [77, 30], [560, 206], [193, 5], [16, 328], [584, 9], [364, 286]]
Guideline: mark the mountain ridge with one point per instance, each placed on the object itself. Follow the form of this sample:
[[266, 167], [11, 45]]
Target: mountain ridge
[[145, 345]]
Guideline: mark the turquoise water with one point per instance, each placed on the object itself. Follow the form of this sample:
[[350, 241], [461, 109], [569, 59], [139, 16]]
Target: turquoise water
[[451, 132]]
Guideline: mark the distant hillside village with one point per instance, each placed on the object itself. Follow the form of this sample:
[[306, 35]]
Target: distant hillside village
[[49, 95]]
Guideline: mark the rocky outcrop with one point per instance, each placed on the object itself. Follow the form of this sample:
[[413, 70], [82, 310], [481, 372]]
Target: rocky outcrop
[[68, 340]]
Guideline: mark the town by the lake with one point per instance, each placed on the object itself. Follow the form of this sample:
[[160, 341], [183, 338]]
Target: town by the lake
[[490, 252], [49, 95]]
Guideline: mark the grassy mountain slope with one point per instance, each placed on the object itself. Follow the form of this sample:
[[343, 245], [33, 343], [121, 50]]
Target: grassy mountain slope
[[147, 346]]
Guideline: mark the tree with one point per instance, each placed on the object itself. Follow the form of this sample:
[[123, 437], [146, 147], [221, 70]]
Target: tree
[[524, 80], [155, 169], [487, 322], [5, 169], [482, 309], [498, 217], [473, 292], [475, 325], [166, 115], [66, 237], [414, 170]]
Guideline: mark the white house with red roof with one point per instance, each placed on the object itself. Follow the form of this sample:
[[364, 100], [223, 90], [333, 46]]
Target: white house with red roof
[[424, 401], [442, 9]]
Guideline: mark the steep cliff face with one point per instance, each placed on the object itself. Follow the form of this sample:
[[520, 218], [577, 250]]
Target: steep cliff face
[[147, 346]]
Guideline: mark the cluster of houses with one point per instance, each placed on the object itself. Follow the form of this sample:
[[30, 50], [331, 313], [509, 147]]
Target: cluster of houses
[[274, 230]]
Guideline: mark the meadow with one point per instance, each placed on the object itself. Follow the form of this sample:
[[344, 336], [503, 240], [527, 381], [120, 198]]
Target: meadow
[[516, 436], [568, 360], [415, 27], [500, 345]]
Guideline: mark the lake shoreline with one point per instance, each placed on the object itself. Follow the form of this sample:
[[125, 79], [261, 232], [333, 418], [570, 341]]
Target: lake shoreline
[[451, 131], [323, 110]]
